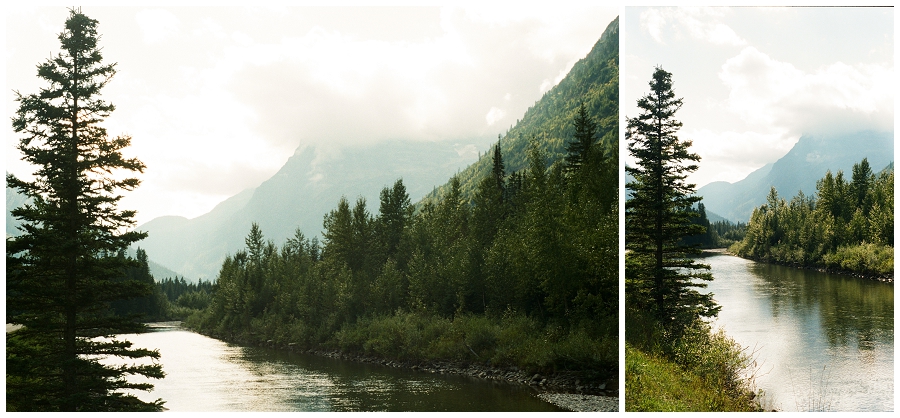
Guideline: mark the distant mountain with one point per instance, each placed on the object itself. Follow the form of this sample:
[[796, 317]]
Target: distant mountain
[[311, 183], [808, 161], [593, 80], [308, 186], [13, 200]]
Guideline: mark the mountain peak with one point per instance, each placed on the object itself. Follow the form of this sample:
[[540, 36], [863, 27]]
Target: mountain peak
[[808, 161]]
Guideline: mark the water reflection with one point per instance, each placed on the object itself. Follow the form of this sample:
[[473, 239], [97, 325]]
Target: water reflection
[[850, 310], [203, 374], [823, 341]]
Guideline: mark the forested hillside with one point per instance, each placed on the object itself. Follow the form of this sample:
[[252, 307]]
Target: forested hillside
[[798, 170], [522, 271], [593, 80], [848, 224]]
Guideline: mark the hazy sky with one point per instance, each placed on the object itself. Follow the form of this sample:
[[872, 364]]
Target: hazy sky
[[217, 99], [754, 80]]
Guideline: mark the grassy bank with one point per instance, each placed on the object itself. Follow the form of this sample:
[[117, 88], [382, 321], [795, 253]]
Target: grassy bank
[[509, 341], [699, 371]]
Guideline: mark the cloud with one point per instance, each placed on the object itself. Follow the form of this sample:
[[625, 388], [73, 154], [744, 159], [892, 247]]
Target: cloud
[[494, 115], [696, 23], [157, 25], [834, 98], [326, 86], [732, 155]]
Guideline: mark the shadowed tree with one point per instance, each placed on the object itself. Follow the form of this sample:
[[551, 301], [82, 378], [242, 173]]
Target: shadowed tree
[[658, 216], [65, 269]]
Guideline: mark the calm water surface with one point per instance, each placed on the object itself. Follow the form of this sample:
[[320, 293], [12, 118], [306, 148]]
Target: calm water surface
[[204, 374], [822, 341]]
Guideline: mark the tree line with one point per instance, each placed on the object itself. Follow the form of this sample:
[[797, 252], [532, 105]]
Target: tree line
[[846, 225], [539, 243]]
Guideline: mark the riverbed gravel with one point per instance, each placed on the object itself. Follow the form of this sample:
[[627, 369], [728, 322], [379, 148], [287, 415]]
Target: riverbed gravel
[[582, 403]]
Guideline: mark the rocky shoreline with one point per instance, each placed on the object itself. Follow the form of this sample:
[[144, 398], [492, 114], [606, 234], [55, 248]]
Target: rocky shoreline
[[561, 382], [566, 390]]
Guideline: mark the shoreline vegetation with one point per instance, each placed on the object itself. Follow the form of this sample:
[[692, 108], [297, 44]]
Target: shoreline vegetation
[[673, 359], [845, 226], [886, 278], [516, 282], [366, 342]]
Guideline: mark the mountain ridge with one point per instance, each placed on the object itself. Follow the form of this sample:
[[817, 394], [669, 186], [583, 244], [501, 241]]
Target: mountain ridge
[[310, 183], [798, 170]]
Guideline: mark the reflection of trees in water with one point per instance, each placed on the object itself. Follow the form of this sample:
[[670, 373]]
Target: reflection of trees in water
[[850, 310]]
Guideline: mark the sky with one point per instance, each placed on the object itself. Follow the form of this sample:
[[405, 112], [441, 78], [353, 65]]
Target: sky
[[754, 79], [216, 99]]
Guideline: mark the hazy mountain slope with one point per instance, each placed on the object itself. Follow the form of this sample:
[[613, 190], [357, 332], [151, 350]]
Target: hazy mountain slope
[[311, 183], [799, 169], [299, 195], [13, 200], [594, 80]]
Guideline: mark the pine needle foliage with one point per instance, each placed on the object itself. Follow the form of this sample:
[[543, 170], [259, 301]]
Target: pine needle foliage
[[66, 268], [663, 275]]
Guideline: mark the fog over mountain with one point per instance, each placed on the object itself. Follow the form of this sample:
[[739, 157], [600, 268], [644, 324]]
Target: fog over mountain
[[313, 180], [799, 169], [299, 195]]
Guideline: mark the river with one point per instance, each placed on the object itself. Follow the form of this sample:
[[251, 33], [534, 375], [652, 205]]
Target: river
[[205, 374], [822, 342]]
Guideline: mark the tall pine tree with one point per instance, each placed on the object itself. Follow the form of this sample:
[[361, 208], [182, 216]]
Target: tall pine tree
[[663, 274], [64, 270]]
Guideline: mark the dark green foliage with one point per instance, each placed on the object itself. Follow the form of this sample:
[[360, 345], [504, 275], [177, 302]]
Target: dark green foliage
[[67, 266], [173, 289], [593, 82], [844, 226], [152, 305], [510, 263], [579, 148], [662, 274], [539, 244], [719, 234]]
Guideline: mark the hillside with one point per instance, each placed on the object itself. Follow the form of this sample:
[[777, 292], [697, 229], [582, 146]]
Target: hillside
[[799, 169], [311, 182], [299, 195], [594, 80]]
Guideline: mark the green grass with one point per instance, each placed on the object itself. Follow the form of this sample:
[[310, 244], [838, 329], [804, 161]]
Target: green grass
[[699, 371], [654, 383], [512, 340]]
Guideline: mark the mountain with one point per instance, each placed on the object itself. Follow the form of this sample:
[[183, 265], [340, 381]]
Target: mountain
[[13, 200], [312, 181], [808, 161], [593, 80], [308, 186]]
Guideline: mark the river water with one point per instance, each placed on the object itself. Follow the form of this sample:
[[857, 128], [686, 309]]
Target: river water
[[205, 374], [821, 341]]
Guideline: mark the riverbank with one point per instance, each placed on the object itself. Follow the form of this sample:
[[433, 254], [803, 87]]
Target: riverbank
[[570, 390], [562, 382], [884, 278], [565, 390]]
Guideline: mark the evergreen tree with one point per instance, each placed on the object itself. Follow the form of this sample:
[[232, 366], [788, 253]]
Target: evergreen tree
[[64, 270], [498, 170], [148, 307], [578, 151], [658, 216]]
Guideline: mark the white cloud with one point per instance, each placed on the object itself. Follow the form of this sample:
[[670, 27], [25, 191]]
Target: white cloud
[[834, 98], [732, 155], [697, 23], [157, 25], [218, 98], [494, 115]]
